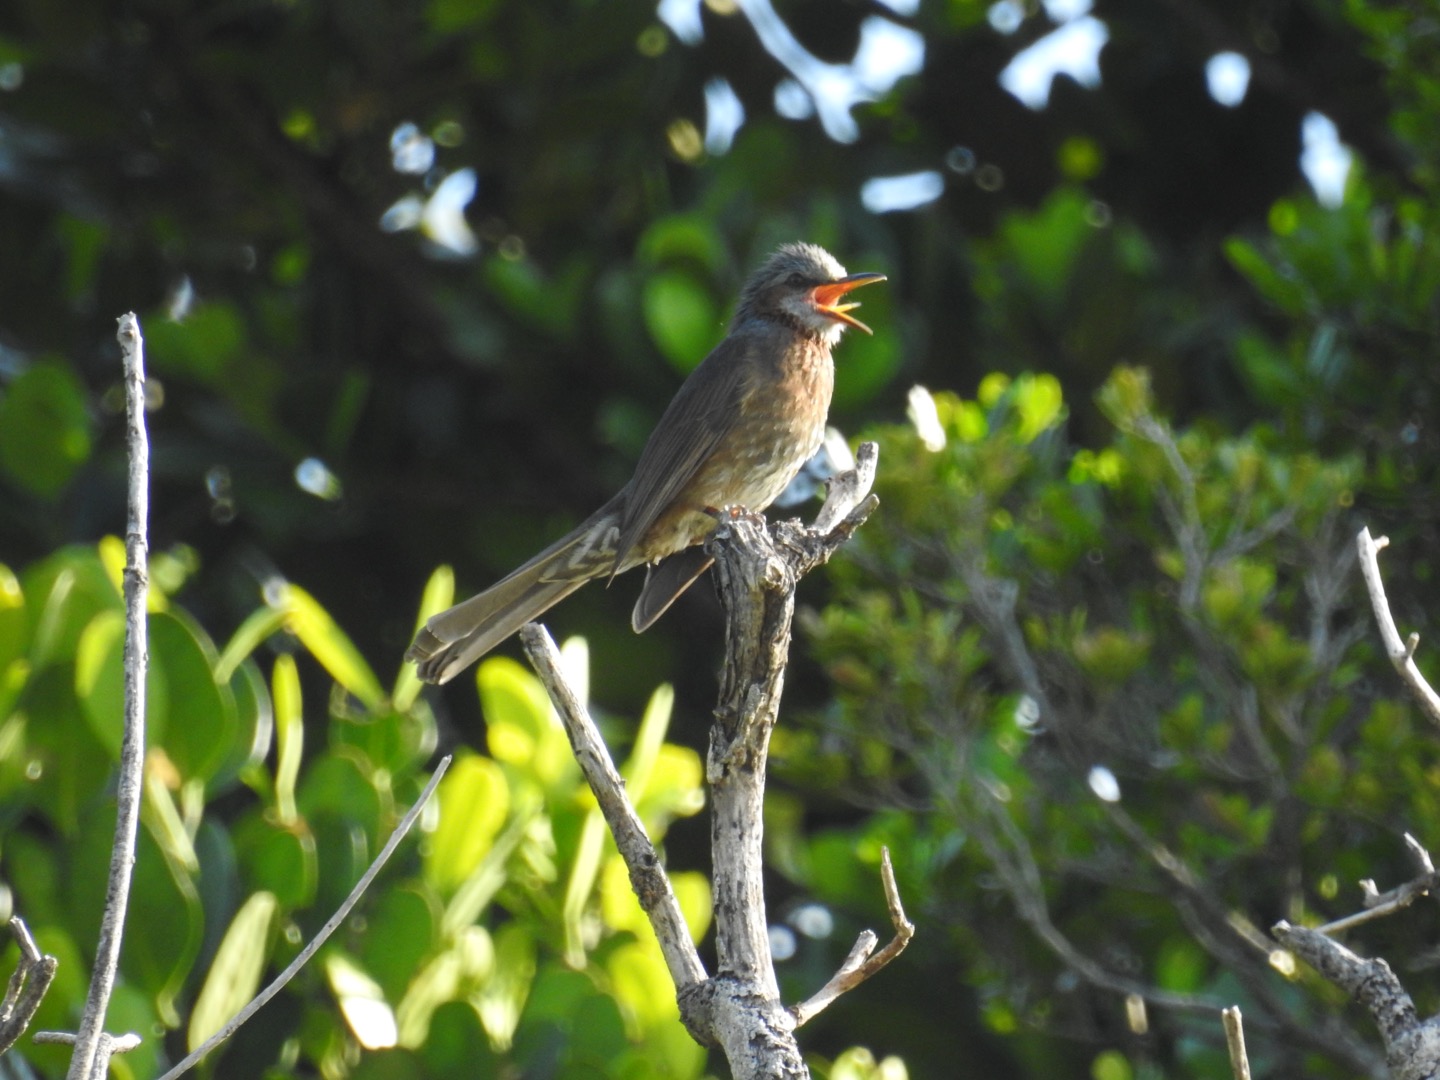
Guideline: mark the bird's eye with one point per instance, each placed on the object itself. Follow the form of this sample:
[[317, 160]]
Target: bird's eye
[[797, 279]]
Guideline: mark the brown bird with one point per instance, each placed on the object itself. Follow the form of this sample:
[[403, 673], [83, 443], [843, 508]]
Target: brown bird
[[734, 436]]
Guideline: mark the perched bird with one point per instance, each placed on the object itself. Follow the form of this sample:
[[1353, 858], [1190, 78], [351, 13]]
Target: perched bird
[[738, 429]]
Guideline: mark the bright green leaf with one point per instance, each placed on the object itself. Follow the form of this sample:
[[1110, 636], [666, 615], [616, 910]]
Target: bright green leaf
[[474, 802], [318, 632], [234, 975]]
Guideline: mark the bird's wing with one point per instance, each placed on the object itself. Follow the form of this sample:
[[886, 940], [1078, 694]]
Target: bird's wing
[[693, 425]]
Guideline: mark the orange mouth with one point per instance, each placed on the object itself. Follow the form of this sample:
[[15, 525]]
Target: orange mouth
[[826, 298]]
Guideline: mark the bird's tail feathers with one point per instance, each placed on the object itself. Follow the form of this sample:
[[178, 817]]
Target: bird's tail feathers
[[460, 635]]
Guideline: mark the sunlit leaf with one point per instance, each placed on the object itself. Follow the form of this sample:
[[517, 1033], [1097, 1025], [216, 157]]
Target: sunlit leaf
[[289, 735], [234, 975], [474, 802], [521, 728], [502, 999], [319, 633], [362, 1002], [439, 594]]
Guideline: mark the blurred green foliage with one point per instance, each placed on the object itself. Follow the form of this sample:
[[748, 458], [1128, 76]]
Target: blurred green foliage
[[513, 933], [1132, 690]]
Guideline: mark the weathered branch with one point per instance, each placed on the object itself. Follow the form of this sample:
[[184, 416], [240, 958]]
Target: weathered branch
[[87, 1057], [1378, 904], [33, 976], [1401, 653], [739, 1008], [756, 571], [647, 875], [860, 965], [1412, 1045], [1235, 1042]]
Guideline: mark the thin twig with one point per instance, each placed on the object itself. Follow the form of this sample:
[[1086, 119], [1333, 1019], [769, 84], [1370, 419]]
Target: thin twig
[[859, 965], [33, 976], [1378, 904], [1401, 653], [262, 999], [132, 749], [1235, 1041]]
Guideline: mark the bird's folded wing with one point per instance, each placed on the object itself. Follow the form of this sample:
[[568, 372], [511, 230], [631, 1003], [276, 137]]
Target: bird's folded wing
[[692, 427]]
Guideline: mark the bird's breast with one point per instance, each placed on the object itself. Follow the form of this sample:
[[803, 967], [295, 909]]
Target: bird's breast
[[778, 426]]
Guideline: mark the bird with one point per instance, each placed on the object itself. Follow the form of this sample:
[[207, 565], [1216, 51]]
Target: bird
[[737, 431]]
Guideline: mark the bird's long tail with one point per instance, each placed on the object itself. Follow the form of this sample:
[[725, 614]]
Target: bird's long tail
[[457, 637]]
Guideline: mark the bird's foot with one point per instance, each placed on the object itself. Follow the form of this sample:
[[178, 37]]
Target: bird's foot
[[736, 513]]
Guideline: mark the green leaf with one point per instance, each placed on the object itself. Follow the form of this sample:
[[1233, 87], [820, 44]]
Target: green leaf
[[682, 317], [584, 868], [204, 346], [502, 999], [1039, 403], [44, 428], [474, 801], [234, 976], [166, 924], [62, 594], [13, 628], [257, 627], [289, 735], [68, 765], [456, 1044], [254, 724], [439, 594], [450, 975], [648, 740], [318, 632], [362, 1002], [201, 728], [280, 860], [522, 730], [402, 927]]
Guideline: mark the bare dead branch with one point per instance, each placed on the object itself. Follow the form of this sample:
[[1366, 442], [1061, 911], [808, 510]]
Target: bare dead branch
[[132, 748], [33, 976], [1378, 904], [756, 568], [859, 965], [1412, 1046], [106, 1047], [1235, 1042], [1401, 653], [647, 874]]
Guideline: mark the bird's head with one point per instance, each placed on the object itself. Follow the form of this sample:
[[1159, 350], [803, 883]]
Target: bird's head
[[803, 285]]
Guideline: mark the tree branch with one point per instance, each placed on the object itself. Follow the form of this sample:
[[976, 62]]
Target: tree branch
[[647, 874], [1235, 1042], [33, 976], [1378, 904], [86, 1059], [860, 965], [757, 567], [1401, 653], [1412, 1046]]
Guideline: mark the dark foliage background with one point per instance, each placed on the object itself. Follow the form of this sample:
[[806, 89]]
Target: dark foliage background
[[344, 406]]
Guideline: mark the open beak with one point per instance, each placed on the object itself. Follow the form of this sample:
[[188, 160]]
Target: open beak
[[827, 298]]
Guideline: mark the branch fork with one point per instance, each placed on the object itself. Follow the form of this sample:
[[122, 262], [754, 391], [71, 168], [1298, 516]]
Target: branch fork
[[1412, 1045], [738, 1008]]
